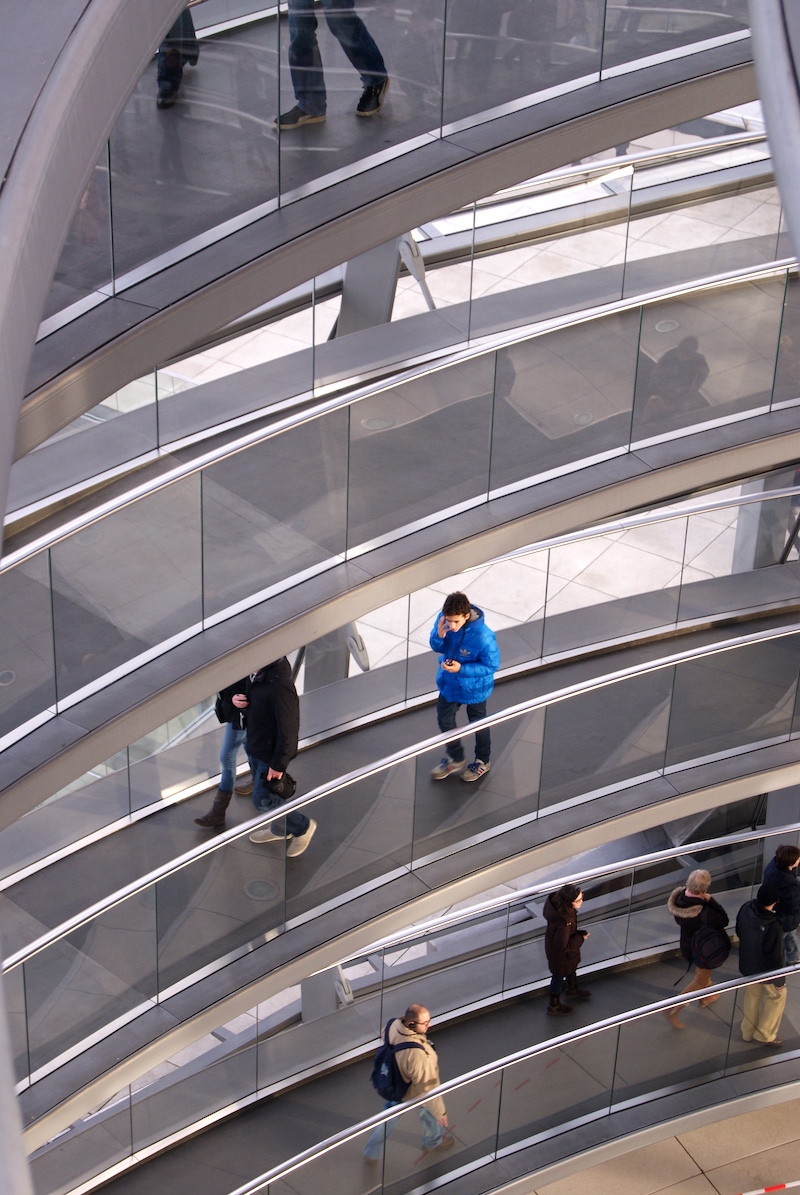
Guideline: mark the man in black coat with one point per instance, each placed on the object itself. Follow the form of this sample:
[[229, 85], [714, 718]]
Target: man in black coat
[[782, 872], [760, 950], [273, 728]]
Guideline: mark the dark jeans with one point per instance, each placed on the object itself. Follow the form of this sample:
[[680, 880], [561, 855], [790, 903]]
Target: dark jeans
[[446, 717], [557, 982], [264, 800], [305, 62]]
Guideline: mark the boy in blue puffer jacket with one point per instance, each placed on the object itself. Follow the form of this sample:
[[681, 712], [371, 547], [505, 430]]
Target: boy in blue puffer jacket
[[468, 659]]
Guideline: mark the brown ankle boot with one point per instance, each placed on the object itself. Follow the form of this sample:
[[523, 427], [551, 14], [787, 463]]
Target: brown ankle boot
[[216, 814], [576, 992], [556, 1009]]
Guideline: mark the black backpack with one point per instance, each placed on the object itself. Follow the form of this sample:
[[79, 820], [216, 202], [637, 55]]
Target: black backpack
[[710, 948], [386, 1078]]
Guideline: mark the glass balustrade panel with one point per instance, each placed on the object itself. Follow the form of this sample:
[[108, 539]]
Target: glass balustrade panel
[[329, 56], [606, 915], [764, 1010], [707, 357], [266, 520], [735, 557], [508, 56], [14, 993], [126, 584], [85, 1150], [362, 841], [27, 677], [557, 248], [759, 682], [435, 276], [175, 756], [343, 1172], [415, 1152], [452, 968], [323, 1017], [211, 13], [449, 813], [100, 974], [622, 583], [181, 173], [119, 429], [563, 1086], [264, 367], [222, 1074], [786, 391], [535, 431], [212, 910], [610, 737], [408, 447], [85, 267], [657, 30], [687, 225], [96, 799]]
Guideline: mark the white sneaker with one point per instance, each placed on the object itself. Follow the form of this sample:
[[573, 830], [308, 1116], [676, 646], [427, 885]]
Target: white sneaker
[[448, 767], [300, 843], [475, 770], [267, 836]]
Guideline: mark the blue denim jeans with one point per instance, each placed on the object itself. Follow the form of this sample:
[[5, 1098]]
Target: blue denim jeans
[[557, 983], [264, 800], [305, 62], [792, 947], [232, 740], [446, 717], [432, 1131]]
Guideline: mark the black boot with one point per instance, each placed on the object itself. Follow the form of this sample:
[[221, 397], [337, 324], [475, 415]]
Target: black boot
[[576, 992], [216, 814], [556, 1009]]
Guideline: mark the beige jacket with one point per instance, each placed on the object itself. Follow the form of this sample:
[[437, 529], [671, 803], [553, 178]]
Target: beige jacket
[[420, 1068]]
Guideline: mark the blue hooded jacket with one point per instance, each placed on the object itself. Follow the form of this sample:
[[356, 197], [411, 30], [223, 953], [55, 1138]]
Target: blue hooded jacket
[[475, 648]]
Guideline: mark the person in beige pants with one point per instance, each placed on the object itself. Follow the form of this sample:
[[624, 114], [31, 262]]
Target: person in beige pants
[[760, 950]]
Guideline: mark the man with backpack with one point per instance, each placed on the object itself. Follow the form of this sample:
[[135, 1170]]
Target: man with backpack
[[702, 922], [760, 950], [406, 1066]]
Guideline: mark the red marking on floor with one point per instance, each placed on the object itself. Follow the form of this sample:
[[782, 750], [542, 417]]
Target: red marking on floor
[[474, 1106], [552, 1062], [522, 1084]]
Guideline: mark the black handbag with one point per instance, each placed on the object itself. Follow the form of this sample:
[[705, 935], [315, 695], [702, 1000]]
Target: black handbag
[[284, 786]]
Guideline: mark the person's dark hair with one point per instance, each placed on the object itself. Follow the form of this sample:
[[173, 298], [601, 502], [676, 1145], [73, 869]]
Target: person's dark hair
[[565, 896], [767, 895], [786, 856], [456, 603]]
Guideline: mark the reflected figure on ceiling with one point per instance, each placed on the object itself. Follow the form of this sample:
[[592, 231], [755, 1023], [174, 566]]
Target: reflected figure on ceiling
[[676, 379], [178, 49], [305, 62]]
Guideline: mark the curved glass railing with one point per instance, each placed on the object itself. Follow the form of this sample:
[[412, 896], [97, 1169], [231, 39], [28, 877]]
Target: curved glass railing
[[512, 1104], [172, 181], [583, 744], [219, 536], [564, 242], [462, 964], [644, 575]]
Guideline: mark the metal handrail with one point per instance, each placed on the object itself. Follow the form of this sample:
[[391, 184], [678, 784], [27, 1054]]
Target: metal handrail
[[491, 1068], [475, 348], [367, 770], [448, 920]]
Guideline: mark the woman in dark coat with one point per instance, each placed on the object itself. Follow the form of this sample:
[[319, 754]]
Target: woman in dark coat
[[694, 908], [562, 945]]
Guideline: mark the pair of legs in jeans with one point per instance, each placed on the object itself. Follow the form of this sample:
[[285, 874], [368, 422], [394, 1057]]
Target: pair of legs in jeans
[[791, 946], [446, 716], [296, 823], [305, 62], [432, 1132], [232, 740]]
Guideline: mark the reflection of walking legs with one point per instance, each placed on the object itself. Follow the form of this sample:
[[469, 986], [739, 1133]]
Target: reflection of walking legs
[[432, 1132], [305, 62], [763, 1009]]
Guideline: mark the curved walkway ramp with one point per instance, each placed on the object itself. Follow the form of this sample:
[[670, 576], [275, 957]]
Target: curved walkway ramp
[[141, 639], [233, 922], [476, 970], [200, 286]]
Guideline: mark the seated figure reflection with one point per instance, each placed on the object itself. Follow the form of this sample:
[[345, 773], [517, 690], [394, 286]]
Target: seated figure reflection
[[674, 386]]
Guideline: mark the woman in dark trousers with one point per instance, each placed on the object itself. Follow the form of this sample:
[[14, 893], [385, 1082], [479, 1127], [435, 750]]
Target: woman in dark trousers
[[694, 908], [562, 945]]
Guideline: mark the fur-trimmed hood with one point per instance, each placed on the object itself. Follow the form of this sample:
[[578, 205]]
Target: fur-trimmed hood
[[683, 907]]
